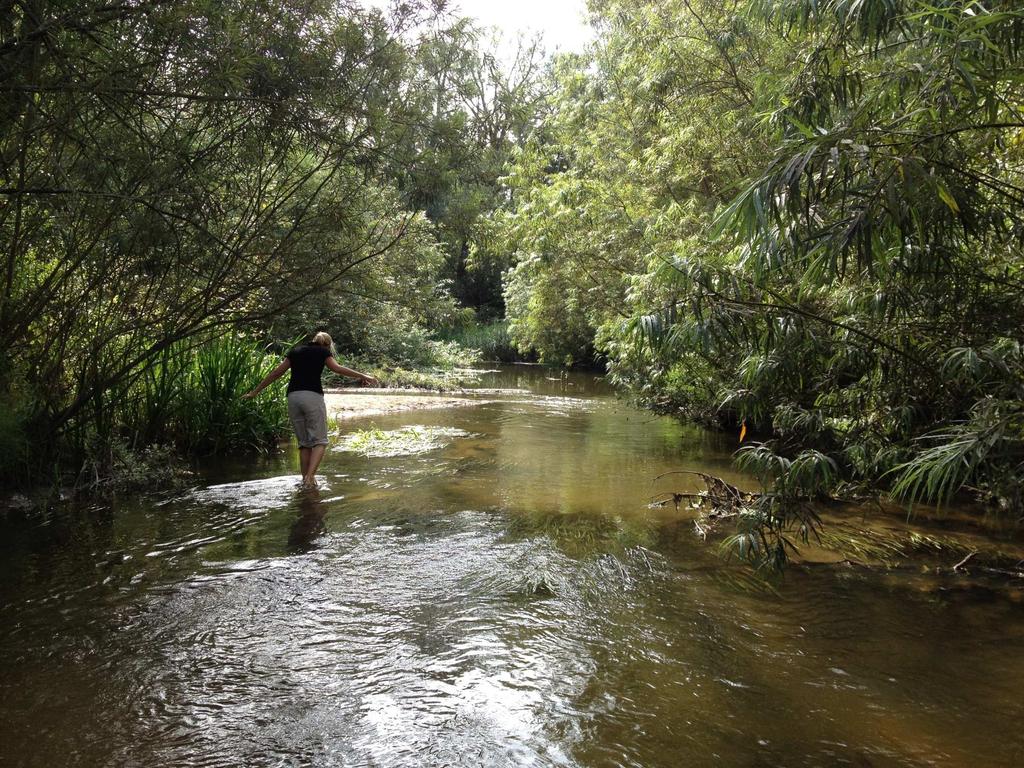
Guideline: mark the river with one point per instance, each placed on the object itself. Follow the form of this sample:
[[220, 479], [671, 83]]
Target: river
[[506, 598]]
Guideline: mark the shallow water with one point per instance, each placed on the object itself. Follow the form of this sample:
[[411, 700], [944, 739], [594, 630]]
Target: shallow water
[[504, 599]]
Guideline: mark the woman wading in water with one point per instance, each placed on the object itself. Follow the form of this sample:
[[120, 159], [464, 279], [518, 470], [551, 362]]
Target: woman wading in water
[[306, 407]]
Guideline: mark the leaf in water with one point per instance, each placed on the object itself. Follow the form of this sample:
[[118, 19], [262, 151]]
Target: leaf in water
[[743, 431]]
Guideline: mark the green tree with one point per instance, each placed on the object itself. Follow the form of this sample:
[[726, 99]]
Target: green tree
[[646, 136], [476, 110]]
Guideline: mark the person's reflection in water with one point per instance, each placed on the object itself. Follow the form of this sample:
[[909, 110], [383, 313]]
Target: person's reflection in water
[[310, 522]]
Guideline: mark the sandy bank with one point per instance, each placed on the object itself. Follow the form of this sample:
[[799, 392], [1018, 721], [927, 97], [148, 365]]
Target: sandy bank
[[354, 403]]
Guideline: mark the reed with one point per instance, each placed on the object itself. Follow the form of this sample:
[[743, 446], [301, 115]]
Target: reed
[[210, 412], [491, 340], [192, 399]]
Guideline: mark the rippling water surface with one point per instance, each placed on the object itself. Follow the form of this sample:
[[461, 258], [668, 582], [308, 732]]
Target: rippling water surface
[[505, 599]]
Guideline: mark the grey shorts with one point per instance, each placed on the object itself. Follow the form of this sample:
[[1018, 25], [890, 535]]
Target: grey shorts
[[308, 414]]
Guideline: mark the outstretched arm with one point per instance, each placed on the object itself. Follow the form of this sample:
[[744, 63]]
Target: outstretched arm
[[367, 381], [273, 376]]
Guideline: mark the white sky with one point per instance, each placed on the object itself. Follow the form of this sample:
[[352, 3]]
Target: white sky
[[561, 22]]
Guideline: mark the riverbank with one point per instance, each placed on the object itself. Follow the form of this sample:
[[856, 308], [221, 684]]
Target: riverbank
[[359, 403]]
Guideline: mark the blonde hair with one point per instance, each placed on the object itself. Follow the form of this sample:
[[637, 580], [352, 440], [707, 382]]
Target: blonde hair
[[323, 339]]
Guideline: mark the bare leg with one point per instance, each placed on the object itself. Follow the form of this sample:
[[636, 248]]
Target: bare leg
[[316, 453], [304, 461]]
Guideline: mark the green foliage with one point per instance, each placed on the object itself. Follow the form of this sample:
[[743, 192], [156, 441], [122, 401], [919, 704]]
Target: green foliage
[[787, 507], [17, 454], [189, 402], [410, 347], [546, 315], [476, 110], [645, 137], [886, 232], [207, 413], [801, 217], [985, 450], [491, 340], [173, 169]]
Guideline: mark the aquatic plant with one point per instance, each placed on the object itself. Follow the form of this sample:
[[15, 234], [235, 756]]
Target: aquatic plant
[[375, 442]]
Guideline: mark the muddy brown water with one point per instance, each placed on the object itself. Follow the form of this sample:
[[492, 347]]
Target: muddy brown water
[[504, 599]]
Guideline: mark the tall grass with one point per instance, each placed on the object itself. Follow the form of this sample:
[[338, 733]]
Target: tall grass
[[192, 399], [492, 340]]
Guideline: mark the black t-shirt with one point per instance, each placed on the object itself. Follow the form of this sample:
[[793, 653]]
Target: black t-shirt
[[308, 362]]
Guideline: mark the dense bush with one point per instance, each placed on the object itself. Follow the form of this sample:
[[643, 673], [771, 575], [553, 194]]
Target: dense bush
[[175, 171]]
